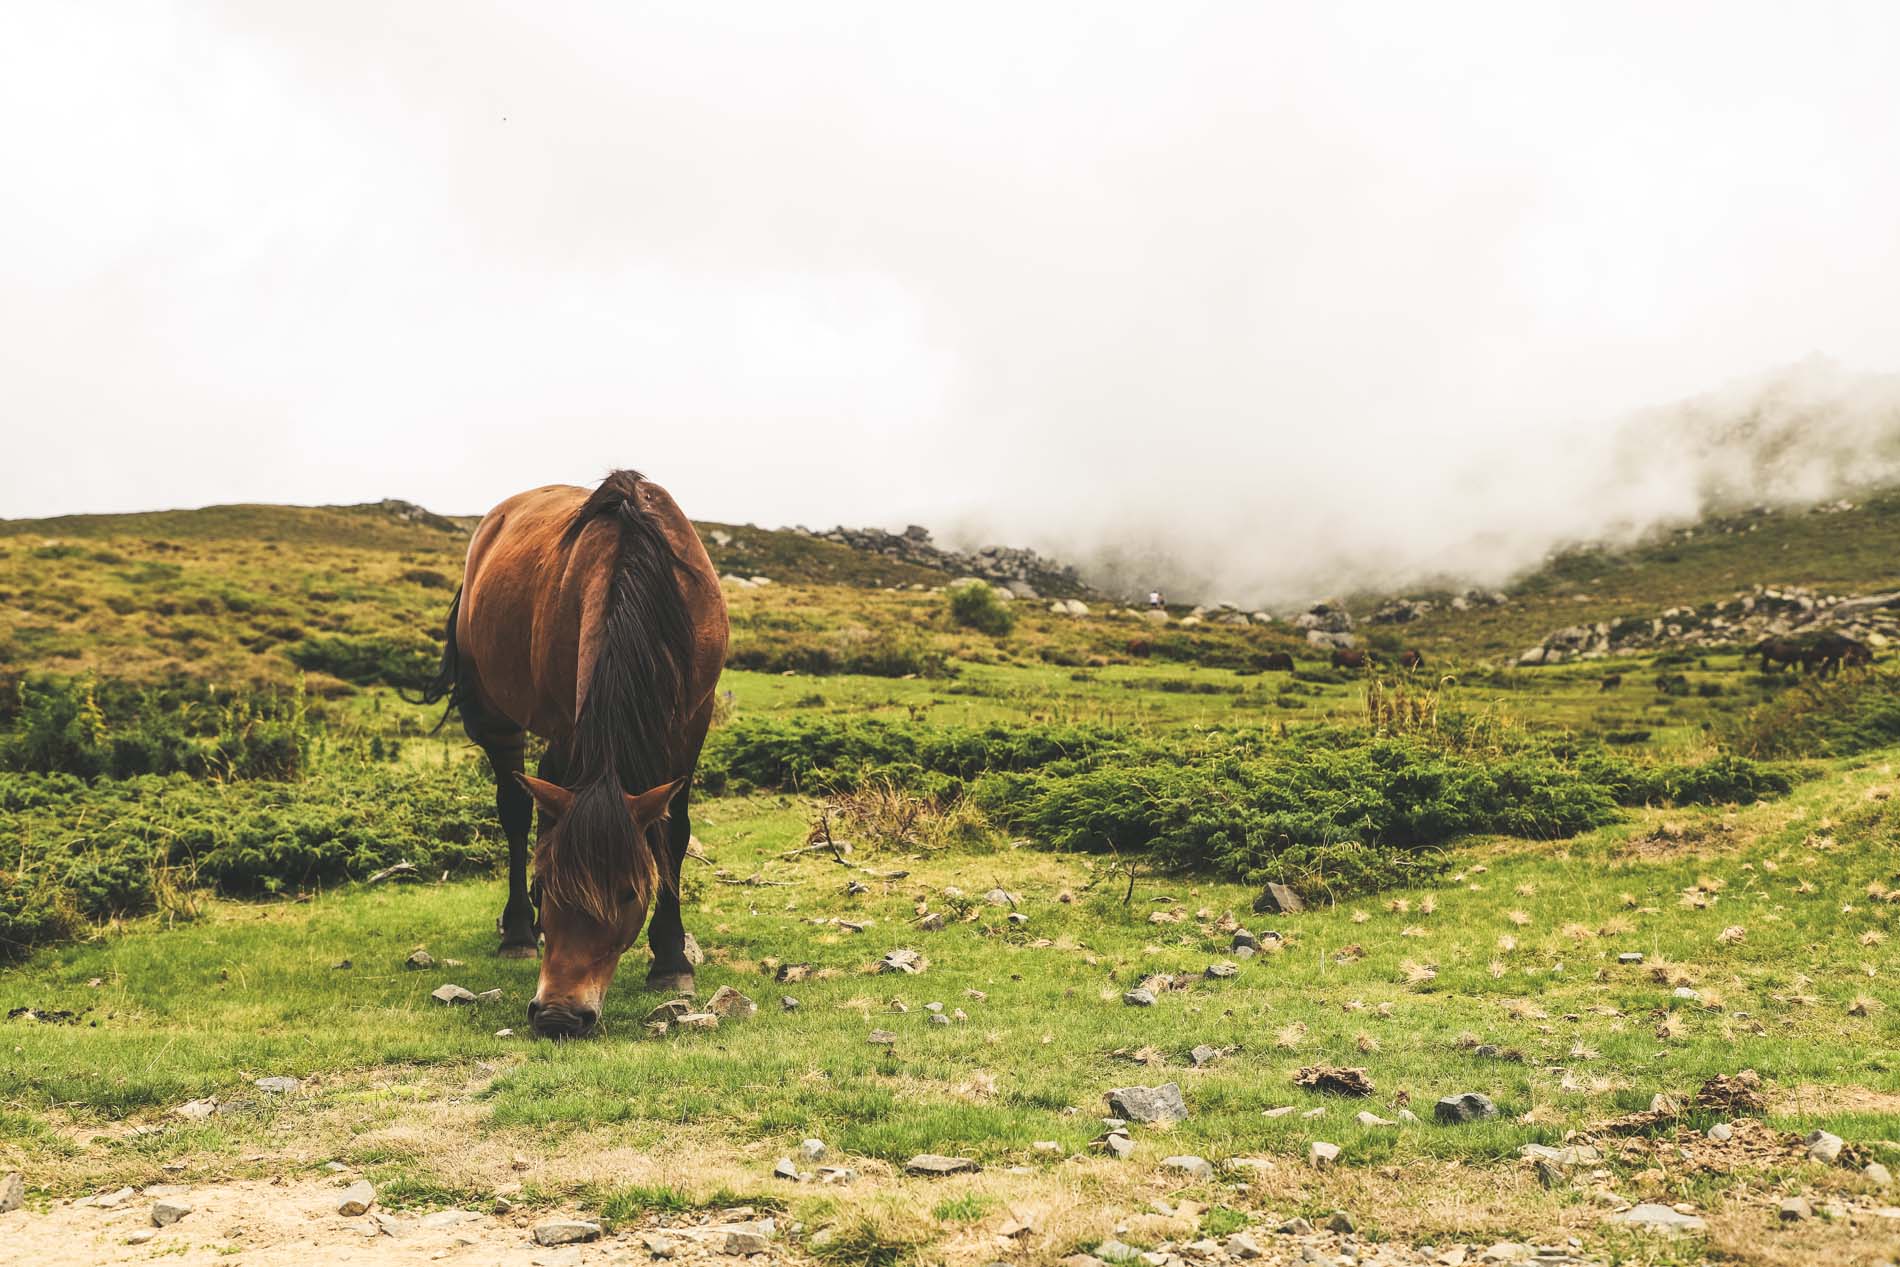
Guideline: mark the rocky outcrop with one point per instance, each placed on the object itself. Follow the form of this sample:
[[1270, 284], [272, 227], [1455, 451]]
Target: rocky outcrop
[[1024, 572], [1745, 619]]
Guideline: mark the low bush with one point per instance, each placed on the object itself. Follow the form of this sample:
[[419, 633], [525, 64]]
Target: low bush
[[61, 726], [368, 660], [854, 649], [975, 605], [1855, 710], [80, 852]]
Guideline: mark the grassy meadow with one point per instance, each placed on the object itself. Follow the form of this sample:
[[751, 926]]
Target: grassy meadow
[[204, 759]]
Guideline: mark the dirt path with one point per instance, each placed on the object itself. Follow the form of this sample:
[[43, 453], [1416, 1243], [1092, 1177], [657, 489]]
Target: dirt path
[[269, 1224]]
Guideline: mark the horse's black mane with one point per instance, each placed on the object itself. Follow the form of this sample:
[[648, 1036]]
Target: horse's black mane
[[623, 738]]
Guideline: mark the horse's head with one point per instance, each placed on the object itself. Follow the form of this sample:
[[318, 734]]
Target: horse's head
[[595, 877]]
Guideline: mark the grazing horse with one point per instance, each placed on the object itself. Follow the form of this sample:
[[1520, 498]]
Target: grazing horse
[[1828, 651], [1610, 682], [1411, 659], [1351, 657], [595, 620], [1277, 661], [1780, 651]]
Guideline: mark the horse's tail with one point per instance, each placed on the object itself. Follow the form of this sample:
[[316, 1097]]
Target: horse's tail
[[447, 682], [624, 738]]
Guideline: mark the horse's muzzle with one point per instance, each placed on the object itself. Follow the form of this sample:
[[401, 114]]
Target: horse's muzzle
[[557, 1020]]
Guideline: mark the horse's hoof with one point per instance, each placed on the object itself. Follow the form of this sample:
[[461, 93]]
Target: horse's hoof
[[671, 982], [516, 952]]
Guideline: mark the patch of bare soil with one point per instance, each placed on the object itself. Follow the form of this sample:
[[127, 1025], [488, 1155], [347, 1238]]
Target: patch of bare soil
[[272, 1224]]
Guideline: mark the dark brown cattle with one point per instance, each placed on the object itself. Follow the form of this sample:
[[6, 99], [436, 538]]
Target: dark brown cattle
[[1351, 657], [1611, 681], [595, 620], [1277, 661], [1411, 659], [1826, 652], [1780, 651]]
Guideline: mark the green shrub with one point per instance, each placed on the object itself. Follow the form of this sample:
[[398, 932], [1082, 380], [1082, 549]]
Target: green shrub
[[368, 660], [854, 649], [96, 730], [1856, 710], [975, 605]]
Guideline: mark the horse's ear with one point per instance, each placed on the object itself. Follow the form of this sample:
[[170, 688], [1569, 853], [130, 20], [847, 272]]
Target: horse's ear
[[648, 806], [549, 796]]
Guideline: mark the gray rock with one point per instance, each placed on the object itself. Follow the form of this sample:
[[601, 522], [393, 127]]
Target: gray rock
[[1000, 897], [1660, 1218], [277, 1086], [356, 1199], [1241, 1245], [1222, 971], [1295, 1227], [937, 1164], [812, 1149], [169, 1210], [729, 1003], [1118, 1145], [141, 1236], [1721, 1131], [1148, 1104], [1203, 1055], [488, 996], [881, 1038], [452, 994], [670, 1011], [1825, 1148], [1322, 1154], [1244, 938], [1114, 1251], [1339, 1221], [197, 1110], [787, 1003], [1277, 899], [660, 1246], [419, 959], [1794, 1209], [698, 1020], [1197, 1167], [1469, 1107], [1630, 956], [786, 1170], [931, 923], [908, 962], [1139, 997], [694, 955], [565, 1232], [937, 1018], [1876, 1174], [12, 1192]]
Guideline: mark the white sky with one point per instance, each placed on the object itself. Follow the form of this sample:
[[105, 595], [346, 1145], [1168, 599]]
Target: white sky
[[1340, 281]]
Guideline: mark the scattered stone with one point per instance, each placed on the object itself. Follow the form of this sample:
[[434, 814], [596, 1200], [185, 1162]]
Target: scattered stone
[[936, 1018], [1241, 1245], [656, 1029], [1148, 1104], [786, 1170], [1660, 1218], [931, 923], [356, 1199], [1198, 1167], [1277, 899], [197, 1110], [908, 962], [141, 1236], [419, 959], [1824, 1147], [452, 994], [12, 1192], [565, 1232], [1018, 920], [1204, 1055], [1295, 1226], [787, 1003], [1469, 1107], [1244, 940], [1794, 1209], [1630, 956], [169, 1210], [1373, 1119], [937, 1164], [1139, 997], [1322, 1154], [1224, 970], [1049, 1146], [671, 1011], [836, 1174], [1339, 1221], [812, 1149], [488, 996], [699, 1020], [660, 1246], [277, 1086], [881, 1038], [1721, 1132], [108, 1200], [1113, 1251], [1000, 897], [729, 1003], [1278, 1111], [1874, 1172]]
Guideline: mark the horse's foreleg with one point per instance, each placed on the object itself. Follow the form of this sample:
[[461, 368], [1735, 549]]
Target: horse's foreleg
[[672, 971], [516, 809]]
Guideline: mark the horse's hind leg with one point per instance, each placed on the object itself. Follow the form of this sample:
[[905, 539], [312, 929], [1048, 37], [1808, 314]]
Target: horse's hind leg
[[672, 971], [504, 742]]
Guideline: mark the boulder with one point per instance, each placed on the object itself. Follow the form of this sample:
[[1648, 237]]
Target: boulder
[[1148, 1104]]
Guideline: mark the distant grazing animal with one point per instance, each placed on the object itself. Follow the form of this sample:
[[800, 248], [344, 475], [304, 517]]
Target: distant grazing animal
[[595, 620], [1277, 660], [1780, 651], [1351, 657], [1611, 681], [1411, 658], [1828, 651]]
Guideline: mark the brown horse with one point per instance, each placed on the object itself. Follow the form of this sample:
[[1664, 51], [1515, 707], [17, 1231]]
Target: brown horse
[[1411, 659], [596, 621], [1351, 658], [1277, 662], [1779, 651]]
